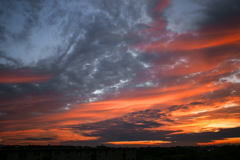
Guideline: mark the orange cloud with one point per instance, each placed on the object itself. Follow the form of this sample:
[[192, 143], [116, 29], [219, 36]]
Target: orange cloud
[[23, 76], [51, 118], [224, 141], [195, 119], [153, 142], [203, 117], [28, 136]]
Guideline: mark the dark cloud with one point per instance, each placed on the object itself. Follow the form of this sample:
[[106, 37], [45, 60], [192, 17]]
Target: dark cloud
[[178, 107], [219, 10], [185, 106], [10, 61], [33, 106], [194, 14], [93, 54], [193, 139], [132, 126], [36, 139], [197, 103], [2, 32]]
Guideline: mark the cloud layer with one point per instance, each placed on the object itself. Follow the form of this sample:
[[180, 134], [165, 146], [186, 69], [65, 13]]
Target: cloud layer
[[92, 72]]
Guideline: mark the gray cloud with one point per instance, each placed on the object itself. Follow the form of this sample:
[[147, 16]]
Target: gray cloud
[[88, 43], [192, 14], [193, 139], [10, 62]]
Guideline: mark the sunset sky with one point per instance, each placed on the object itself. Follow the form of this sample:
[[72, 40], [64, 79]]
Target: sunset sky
[[120, 72]]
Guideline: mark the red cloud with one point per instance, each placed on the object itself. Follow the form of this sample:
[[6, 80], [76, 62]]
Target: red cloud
[[23, 76], [162, 5]]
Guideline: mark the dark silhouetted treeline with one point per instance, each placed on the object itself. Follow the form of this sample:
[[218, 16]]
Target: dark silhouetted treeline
[[190, 153]]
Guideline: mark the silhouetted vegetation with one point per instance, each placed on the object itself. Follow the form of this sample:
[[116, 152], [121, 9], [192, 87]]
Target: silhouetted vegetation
[[227, 152], [189, 153]]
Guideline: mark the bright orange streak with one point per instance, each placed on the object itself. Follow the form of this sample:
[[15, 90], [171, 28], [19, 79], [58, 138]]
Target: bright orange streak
[[139, 142], [205, 125], [224, 141], [23, 76], [143, 100]]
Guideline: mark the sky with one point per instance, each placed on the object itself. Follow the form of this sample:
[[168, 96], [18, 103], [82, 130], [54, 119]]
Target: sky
[[120, 73]]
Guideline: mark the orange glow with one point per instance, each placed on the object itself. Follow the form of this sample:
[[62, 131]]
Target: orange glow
[[23, 76], [198, 109], [202, 118], [17, 137], [153, 142], [224, 141], [206, 125], [103, 110], [194, 119]]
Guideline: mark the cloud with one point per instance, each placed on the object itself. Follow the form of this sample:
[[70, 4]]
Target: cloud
[[139, 142], [154, 125], [193, 14], [9, 61], [163, 4], [220, 10], [23, 76], [92, 72], [193, 139], [36, 139], [225, 141], [185, 106], [84, 48], [177, 107], [129, 127], [233, 78], [197, 103], [197, 33], [31, 106]]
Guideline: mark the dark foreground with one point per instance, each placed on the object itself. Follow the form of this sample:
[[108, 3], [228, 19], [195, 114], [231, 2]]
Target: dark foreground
[[226, 152]]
